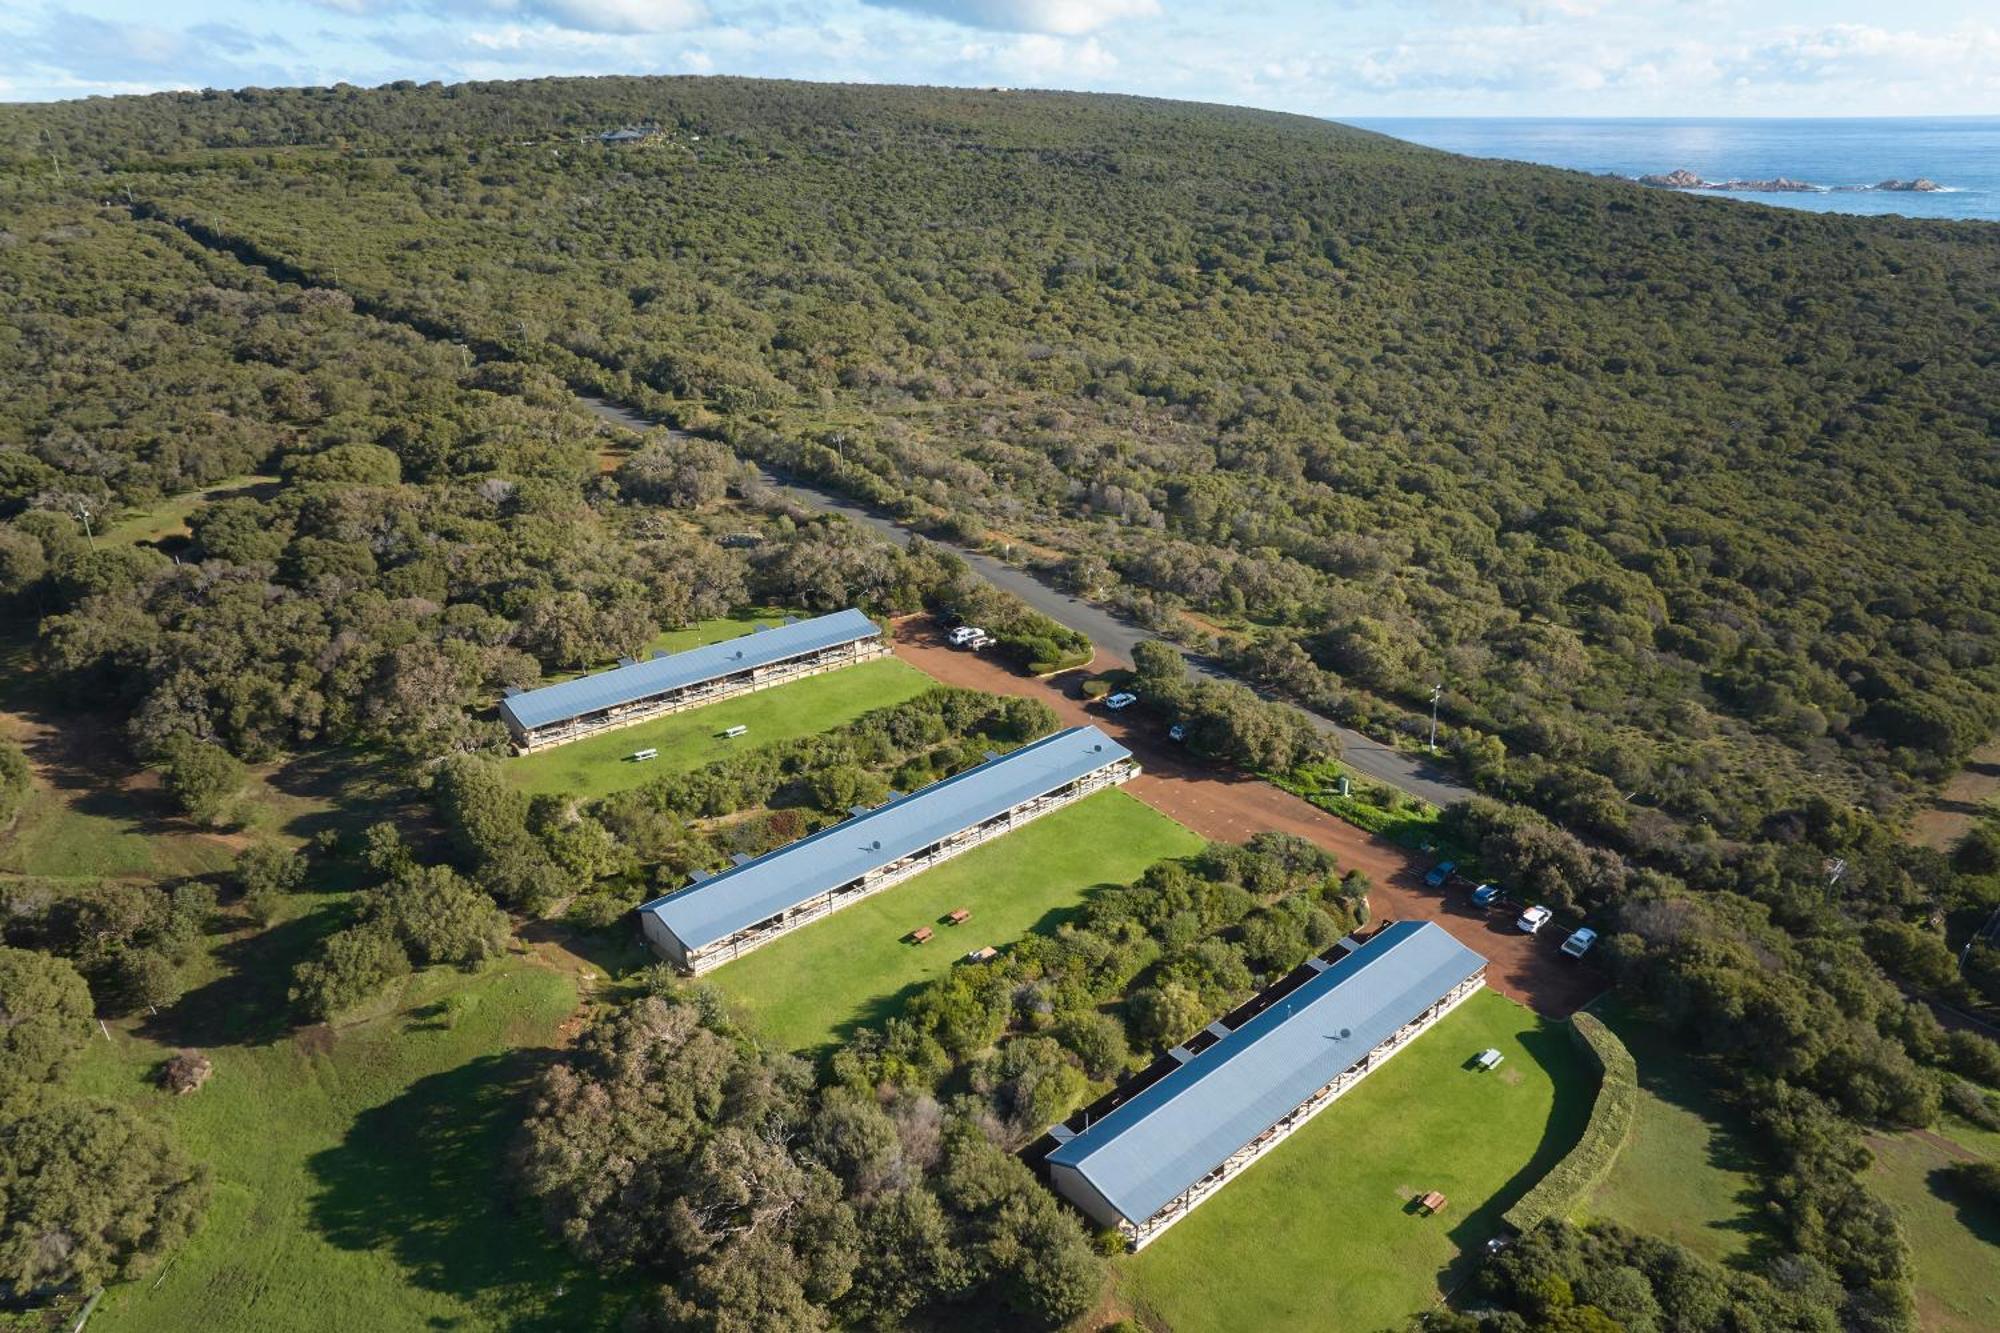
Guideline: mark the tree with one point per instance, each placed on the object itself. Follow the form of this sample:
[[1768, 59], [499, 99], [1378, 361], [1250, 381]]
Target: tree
[[1097, 1040], [90, 1193], [203, 777], [16, 780], [1165, 1014], [440, 917], [148, 979], [45, 1022], [351, 965], [264, 874]]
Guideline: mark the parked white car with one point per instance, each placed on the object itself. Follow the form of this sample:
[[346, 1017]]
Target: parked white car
[[966, 636], [1121, 701], [1534, 918], [1579, 942]]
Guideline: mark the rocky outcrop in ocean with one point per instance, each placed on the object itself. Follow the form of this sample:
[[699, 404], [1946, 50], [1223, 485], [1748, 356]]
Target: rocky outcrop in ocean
[[1683, 179]]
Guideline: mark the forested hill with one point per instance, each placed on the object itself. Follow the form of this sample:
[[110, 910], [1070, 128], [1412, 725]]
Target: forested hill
[[1685, 501]]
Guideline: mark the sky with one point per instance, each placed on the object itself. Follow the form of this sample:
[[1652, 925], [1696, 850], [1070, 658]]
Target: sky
[[1355, 58]]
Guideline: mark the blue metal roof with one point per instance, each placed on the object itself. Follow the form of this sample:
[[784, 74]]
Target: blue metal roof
[[723, 904], [626, 684], [1151, 1149]]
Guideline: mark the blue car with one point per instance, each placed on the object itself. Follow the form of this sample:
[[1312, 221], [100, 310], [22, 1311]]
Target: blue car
[[1440, 873], [1486, 895]]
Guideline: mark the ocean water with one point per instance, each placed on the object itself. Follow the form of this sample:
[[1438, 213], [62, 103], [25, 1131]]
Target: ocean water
[[1961, 153]]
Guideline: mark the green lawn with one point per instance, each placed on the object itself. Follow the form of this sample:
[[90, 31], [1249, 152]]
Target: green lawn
[[169, 518], [599, 766], [1321, 1234], [1954, 1240], [360, 1179], [1687, 1173], [855, 968]]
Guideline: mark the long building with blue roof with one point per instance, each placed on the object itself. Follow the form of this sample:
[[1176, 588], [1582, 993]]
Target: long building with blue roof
[[1148, 1162], [669, 682], [724, 916]]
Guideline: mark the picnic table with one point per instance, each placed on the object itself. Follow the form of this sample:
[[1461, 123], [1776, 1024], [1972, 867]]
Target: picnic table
[[920, 934], [1433, 1202], [959, 916]]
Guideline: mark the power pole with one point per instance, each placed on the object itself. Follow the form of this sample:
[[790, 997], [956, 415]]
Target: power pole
[[1437, 692], [83, 512]]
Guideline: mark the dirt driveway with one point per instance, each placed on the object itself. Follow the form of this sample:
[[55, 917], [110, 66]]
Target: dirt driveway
[[1230, 808]]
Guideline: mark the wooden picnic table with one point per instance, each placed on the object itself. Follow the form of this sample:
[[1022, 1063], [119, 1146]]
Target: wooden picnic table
[[959, 916], [920, 934], [1433, 1202]]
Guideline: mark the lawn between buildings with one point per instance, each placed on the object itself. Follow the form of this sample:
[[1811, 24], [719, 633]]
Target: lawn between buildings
[[857, 967], [1323, 1233], [601, 765]]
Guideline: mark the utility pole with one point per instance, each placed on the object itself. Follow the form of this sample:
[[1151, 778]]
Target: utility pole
[[1437, 692], [83, 512]]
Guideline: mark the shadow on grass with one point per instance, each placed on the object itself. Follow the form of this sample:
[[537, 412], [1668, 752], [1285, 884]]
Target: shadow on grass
[[1550, 1046], [1980, 1216], [616, 950], [247, 1004], [423, 1178], [1671, 1074]]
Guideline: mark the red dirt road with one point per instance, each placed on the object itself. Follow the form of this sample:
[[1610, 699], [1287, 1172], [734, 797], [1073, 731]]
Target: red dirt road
[[1229, 808]]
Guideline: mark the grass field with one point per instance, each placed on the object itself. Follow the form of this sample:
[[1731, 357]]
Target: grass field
[[1954, 1240], [169, 518], [855, 969], [1321, 1234], [599, 765], [359, 1171], [1687, 1173]]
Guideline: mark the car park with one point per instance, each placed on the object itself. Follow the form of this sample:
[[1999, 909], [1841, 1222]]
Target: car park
[[1534, 919], [1579, 942], [1121, 700], [1440, 873]]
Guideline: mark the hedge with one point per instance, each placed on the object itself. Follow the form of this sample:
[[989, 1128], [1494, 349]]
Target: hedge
[[1603, 1138]]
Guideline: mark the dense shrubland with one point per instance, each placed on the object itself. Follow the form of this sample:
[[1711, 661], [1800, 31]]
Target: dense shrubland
[[1692, 496]]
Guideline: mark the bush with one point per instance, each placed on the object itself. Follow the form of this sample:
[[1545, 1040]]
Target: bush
[[1603, 1138], [202, 778], [46, 1009], [352, 965]]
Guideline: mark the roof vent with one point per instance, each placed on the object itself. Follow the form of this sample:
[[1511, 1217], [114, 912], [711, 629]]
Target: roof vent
[[740, 857]]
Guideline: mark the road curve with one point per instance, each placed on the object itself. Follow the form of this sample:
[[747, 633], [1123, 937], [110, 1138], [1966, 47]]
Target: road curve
[[1113, 634]]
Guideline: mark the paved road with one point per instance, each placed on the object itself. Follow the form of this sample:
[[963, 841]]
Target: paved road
[[1112, 633]]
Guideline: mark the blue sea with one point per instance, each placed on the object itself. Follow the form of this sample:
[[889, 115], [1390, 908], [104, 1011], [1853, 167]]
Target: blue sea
[[1961, 153]]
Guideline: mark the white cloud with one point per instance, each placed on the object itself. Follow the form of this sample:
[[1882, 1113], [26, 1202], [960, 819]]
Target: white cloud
[[1055, 18], [626, 16], [619, 16]]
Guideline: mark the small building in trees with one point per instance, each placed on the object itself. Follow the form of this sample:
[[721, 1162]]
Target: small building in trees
[[1237, 1092], [669, 682], [724, 916]]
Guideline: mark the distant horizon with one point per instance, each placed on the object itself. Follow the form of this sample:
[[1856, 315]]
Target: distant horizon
[[1372, 58]]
